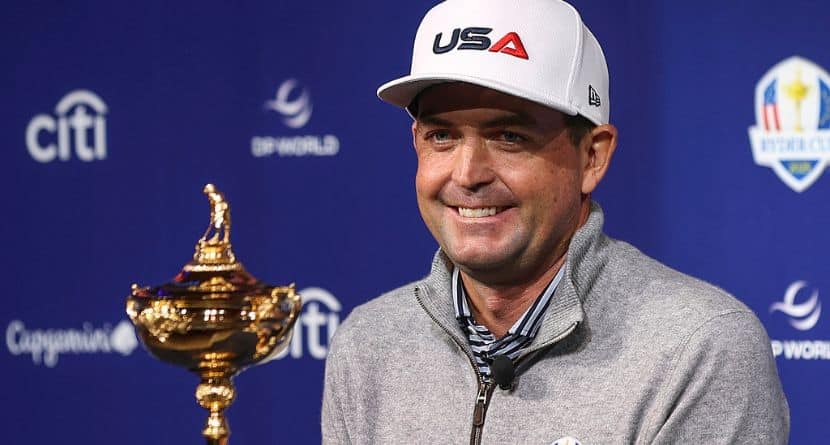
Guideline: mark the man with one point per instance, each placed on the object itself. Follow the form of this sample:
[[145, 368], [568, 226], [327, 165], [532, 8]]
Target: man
[[533, 326]]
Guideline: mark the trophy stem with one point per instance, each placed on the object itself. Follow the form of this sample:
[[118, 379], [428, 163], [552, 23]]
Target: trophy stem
[[216, 393]]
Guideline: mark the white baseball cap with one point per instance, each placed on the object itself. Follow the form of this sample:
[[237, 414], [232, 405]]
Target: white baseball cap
[[538, 50]]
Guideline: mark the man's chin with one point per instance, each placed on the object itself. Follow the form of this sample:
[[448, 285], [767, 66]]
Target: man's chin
[[484, 262]]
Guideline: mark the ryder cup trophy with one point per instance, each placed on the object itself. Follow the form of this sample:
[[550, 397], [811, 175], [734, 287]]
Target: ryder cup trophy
[[214, 318]]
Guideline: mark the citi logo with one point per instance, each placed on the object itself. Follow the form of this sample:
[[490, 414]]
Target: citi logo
[[475, 38], [294, 108], [803, 316], [79, 123], [315, 326]]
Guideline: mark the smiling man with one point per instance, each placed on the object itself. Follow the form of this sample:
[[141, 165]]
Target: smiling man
[[533, 326], [502, 188]]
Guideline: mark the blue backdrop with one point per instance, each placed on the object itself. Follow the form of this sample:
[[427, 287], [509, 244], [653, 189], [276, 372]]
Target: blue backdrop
[[115, 114]]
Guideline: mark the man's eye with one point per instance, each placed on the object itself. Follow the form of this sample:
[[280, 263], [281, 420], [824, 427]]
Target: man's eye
[[439, 136], [509, 136]]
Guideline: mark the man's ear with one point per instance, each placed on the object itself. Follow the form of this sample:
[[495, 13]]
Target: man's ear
[[414, 132], [597, 149]]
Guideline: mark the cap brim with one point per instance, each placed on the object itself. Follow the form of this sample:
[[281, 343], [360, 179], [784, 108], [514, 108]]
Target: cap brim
[[402, 91]]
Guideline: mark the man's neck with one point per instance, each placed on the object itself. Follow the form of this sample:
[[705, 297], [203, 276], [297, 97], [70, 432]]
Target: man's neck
[[499, 307]]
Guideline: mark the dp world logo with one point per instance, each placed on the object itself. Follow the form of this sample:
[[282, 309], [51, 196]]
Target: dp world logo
[[293, 103], [803, 316], [792, 110], [803, 313], [315, 327], [78, 126]]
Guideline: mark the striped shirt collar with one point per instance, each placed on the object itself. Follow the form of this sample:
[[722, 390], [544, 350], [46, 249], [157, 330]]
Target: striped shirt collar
[[482, 342]]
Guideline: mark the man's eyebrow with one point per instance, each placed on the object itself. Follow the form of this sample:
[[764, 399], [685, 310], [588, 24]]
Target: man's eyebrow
[[434, 121]]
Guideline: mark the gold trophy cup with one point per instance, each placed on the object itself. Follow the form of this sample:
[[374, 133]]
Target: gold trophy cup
[[214, 318]]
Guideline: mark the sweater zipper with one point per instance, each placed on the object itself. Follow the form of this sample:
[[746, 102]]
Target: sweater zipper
[[485, 390]]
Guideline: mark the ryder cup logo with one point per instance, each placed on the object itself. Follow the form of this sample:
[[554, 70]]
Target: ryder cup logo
[[315, 326], [79, 123], [792, 109], [293, 103]]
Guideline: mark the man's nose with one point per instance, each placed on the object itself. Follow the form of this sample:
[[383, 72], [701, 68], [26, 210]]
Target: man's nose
[[472, 167]]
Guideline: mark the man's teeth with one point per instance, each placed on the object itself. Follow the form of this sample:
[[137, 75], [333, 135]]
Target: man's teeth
[[477, 213]]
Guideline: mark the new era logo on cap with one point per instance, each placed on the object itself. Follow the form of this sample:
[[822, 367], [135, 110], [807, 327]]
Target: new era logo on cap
[[593, 97]]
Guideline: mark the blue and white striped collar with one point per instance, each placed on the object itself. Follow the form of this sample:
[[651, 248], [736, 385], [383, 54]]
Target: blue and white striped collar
[[527, 325]]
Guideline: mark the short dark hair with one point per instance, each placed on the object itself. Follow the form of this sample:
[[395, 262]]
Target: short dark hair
[[578, 126]]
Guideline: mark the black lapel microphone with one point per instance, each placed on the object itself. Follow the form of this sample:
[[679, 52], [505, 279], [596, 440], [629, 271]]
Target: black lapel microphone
[[503, 371]]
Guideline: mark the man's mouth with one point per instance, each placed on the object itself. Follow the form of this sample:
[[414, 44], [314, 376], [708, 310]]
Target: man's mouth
[[479, 212]]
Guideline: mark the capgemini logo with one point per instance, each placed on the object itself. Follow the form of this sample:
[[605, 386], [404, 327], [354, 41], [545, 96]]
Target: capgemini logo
[[123, 339], [296, 112], [803, 316], [46, 345], [49, 137]]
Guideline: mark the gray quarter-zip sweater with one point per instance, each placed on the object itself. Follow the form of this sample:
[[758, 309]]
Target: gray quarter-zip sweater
[[629, 351]]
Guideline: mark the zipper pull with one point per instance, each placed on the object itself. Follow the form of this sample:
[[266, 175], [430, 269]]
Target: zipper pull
[[481, 403]]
